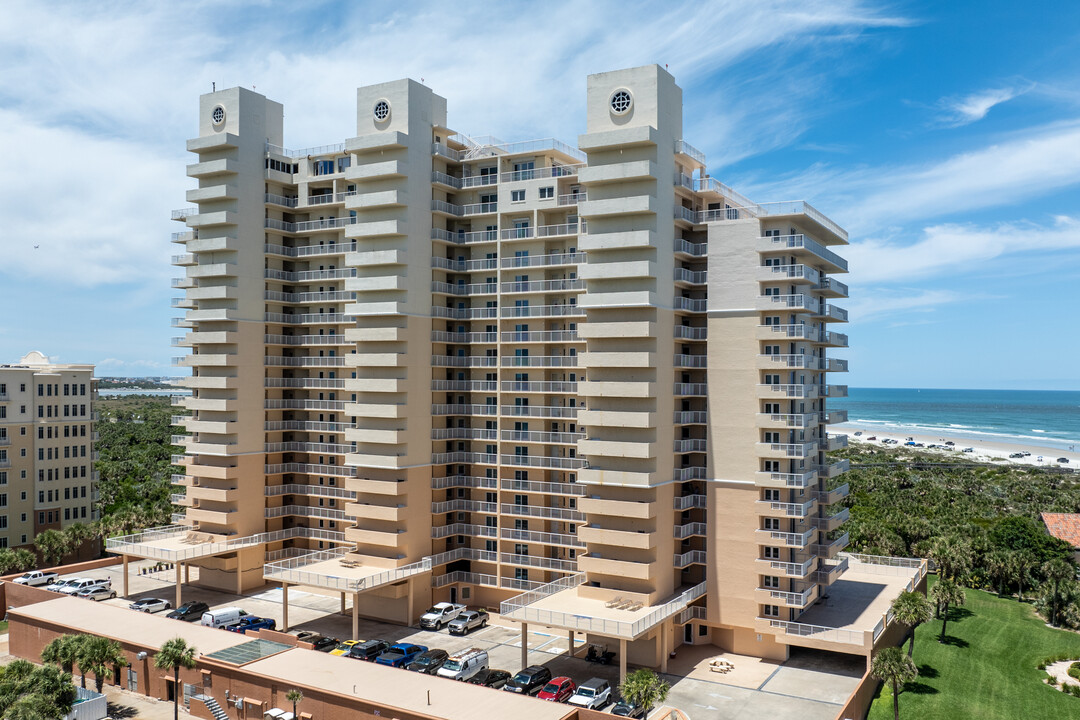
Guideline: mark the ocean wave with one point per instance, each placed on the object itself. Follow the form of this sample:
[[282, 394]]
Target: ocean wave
[[1045, 439]]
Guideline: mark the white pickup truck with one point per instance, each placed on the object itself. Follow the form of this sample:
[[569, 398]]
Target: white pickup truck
[[74, 587], [439, 615], [36, 577]]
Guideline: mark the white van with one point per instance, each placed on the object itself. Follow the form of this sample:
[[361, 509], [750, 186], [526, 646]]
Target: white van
[[222, 617], [464, 665]]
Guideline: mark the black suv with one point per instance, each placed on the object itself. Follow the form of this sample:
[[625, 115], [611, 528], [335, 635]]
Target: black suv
[[529, 681], [189, 611], [369, 650], [491, 678], [318, 642], [428, 662]]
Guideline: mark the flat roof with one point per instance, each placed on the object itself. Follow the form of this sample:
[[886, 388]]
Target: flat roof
[[118, 623], [860, 597], [335, 570], [249, 652], [408, 691]]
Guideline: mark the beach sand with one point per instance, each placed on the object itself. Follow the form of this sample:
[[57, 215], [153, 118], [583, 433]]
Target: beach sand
[[984, 450]]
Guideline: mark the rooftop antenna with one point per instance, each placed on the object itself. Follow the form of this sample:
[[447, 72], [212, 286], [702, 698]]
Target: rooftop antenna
[[213, 87]]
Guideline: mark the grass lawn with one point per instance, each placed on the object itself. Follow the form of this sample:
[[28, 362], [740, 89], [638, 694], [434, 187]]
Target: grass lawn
[[988, 668]]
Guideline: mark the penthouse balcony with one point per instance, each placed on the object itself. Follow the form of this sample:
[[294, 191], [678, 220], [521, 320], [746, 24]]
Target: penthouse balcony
[[803, 246]]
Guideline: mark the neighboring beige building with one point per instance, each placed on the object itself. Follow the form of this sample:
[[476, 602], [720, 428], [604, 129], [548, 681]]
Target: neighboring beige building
[[47, 438], [464, 368]]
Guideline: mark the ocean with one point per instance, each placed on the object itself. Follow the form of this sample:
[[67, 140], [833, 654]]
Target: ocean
[[1043, 418]]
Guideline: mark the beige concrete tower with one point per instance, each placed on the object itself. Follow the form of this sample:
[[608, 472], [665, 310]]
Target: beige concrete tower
[[47, 447]]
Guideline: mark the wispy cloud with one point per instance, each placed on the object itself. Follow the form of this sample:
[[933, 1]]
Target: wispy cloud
[[883, 303], [956, 249], [958, 111]]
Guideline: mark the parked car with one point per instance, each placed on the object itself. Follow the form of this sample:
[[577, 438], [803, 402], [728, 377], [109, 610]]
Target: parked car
[[949, 442], [599, 654], [464, 665], [1063, 460], [79, 584], [560, 689], [36, 578], [150, 605], [345, 647], [400, 655], [251, 622], [627, 709], [529, 681], [222, 616], [319, 643], [467, 621], [99, 592], [429, 662], [594, 693], [968, 450], [369, 650], [189, 611], [60, 584], [490, 677], [1014, 456], [858, 433], [439, 615]]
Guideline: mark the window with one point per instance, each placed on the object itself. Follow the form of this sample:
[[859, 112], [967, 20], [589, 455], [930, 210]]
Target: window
[[772, 523], [546, 193], [521, 574], [621, 101], [517, 195], [770, 581], [770, 611], [772, 553]]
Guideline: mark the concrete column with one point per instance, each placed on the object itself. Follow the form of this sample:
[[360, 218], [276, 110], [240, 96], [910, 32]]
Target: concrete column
[[178, 585], [355, 616], [622, 659], [126, 591], [570, 647], [524, 645], [409, 607], [284, 607], [239, 574], [187, 573], [663, 641], [342, 603]]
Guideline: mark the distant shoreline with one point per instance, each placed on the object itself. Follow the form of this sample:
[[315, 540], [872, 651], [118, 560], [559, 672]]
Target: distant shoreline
[[982, 450]]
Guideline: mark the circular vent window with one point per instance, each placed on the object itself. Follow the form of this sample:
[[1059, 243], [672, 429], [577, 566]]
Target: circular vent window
[[621, 102], [218, 115], [382, 110]]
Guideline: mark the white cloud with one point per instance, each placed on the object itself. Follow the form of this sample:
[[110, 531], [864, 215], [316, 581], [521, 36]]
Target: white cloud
[[956, 249], [971, 108], [877, 304]]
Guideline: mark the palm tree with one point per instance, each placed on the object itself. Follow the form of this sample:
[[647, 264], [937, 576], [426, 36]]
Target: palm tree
[[175, 654], [912, 609], [24, 560], [295, 697], [946, 592], [63, 651], [53, 545], [1021, 563], [98, 654], [82, 656], [7, 560], [997, 563], [1057, 571], [952, 556], [892, 666], [29, 692], [644, 688], [76, 535]]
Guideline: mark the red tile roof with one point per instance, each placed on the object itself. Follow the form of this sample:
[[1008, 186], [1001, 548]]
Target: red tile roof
[[1064, 526]]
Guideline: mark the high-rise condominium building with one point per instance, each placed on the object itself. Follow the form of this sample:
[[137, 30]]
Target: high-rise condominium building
[[47, 437], [465, 368]]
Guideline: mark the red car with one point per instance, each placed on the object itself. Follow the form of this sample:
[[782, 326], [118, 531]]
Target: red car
[[558, 690]]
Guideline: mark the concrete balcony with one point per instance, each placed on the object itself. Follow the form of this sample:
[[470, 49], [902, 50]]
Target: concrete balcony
[[785, 480], [780, 392], [836, 442], [602, 476], [637, 539], [617, 418], [797, 302], [212, 517], [686, 502], [786, 450], [783, 598], [830, 497], [624, 389], [831, 548], [831, 288], [617, 508], [792, 332], [828, 523], [836, 416], [692, 529], [690, 557], [834, 469], [786, 539], [394, 539], [788, 274], [800, 420], [597, 564], [802, 246], [617, 448], [367, 511], [796, 361], [785, 510], [788, 569], [200, 493]]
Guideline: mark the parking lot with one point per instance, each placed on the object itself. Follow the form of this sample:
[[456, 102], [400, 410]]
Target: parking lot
[[811, 685]]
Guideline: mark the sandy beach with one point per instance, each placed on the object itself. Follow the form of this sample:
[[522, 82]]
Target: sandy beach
[[982, 450]]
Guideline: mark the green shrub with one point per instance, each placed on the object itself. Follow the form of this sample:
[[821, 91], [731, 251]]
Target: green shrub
[[1074, 670]]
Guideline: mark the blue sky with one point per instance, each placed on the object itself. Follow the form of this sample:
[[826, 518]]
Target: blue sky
[[944, 135]]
